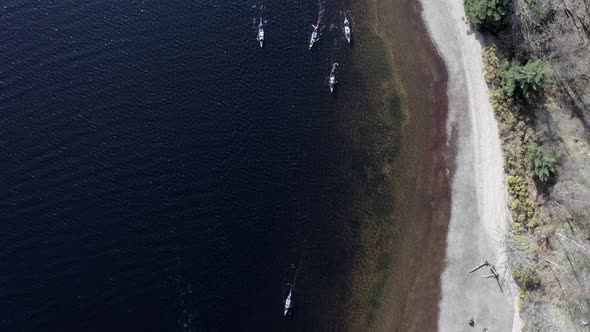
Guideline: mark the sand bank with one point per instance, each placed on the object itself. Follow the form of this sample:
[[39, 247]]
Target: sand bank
[[479, 214]]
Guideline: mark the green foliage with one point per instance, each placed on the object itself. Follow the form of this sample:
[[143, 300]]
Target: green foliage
[[533, 223], [517, 187], [527, 277], [509, 75], [522, 211], [541, 14], [524, 80], [517, 228], [532, 77], [525, 244], [516, 137], [523, 295], [491, 64], [530, 230], [486, 15], [542, 163]]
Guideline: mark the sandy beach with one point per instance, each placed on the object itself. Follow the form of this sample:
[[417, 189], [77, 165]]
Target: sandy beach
[[479, 213]]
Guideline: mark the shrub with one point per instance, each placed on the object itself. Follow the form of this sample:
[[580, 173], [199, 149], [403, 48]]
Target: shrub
[[486, 15], [517, 187], [508, 76], [522, 210], [532, 77], [517, 228], [542, 163], [528, 278], [540, 13], [524, 295], [533, 223], [523, 80], [491, 64]]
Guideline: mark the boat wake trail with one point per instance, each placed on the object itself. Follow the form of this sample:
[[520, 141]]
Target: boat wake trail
[[321, 11], [315, 35], [260, 7]]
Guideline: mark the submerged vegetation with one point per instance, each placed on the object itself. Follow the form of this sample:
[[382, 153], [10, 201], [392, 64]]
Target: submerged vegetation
[[375, 137]]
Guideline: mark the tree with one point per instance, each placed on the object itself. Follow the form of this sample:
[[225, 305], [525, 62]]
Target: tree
[[532, 77], [524, 80], [508, 77], [486, 15], [541, 163], [541, 13]]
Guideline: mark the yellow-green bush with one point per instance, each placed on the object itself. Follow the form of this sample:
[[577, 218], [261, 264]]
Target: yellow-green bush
[[522, 211], [517, 228], [523, 295], [491, 64], [517, 187], [517, 138], [527, 277]]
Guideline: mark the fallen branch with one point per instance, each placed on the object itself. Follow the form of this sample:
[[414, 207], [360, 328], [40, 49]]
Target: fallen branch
[[574, 242], [479, 267]]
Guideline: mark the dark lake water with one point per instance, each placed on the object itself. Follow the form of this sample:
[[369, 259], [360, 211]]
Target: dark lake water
[[161, 172]]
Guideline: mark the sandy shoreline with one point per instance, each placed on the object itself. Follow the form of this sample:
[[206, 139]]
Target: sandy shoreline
[[479, 214]]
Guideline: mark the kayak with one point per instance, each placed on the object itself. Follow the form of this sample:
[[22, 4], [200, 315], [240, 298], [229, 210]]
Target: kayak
[[288, 302], [332, 80], [347, 30], [260, 36], [314, 36]]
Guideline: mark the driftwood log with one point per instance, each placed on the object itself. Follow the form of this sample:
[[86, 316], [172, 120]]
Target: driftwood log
[[480, 266]]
